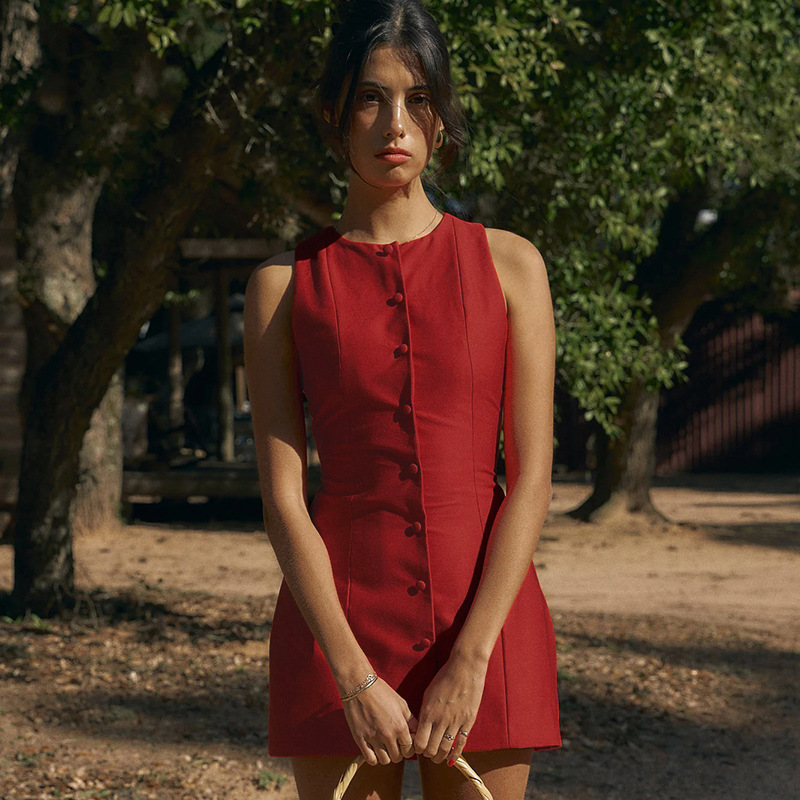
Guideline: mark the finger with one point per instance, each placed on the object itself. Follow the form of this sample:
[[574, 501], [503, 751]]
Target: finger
[[434, 746], [446, 750], [421, 736], [406, 746], [406, 738], [458, 747], [383, 756], [445, 745], [368, 753], [393, 750]]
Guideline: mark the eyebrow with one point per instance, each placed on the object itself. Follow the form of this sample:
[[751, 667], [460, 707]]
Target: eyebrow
[[384, 87]]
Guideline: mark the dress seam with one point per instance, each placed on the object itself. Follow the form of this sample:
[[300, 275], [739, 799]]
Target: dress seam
[[552, 656], [474, 470], [352, 470], [472, 377]]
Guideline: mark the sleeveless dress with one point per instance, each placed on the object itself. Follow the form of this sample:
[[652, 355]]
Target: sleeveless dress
[[401, 349]]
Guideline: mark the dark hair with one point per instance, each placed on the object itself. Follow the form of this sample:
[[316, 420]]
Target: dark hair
[[408, 26]]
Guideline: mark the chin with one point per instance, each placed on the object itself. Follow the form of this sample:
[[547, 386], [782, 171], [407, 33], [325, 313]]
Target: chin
[[397, 177]]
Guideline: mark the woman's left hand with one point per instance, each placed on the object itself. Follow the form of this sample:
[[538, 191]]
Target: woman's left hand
[[449, 705]]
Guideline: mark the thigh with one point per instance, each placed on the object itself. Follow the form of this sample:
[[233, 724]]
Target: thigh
[[505, 773], [316, 778]]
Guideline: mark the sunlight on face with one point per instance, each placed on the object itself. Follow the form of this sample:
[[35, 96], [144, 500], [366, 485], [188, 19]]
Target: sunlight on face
[[392, 107], [389, 86]]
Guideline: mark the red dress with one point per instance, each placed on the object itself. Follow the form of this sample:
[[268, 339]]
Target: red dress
[[402, 351]]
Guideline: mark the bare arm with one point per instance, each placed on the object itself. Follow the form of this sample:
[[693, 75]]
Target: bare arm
[[273, 383], [453, 697], [528, 436]]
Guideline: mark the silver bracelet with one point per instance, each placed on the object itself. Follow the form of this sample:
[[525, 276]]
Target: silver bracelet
[[368, 681]]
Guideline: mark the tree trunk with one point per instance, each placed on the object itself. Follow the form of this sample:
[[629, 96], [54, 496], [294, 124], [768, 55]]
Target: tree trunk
[[625, 465], [56, 278], [62, 395], [99, 493]]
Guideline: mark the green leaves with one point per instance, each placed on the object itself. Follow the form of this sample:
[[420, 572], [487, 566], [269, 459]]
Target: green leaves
[[586, 120], [596, 121], [114, 12], [197, 28]]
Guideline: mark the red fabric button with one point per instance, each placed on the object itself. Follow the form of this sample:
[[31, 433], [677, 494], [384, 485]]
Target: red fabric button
[[421, 585], [417, 527], [397, 297], [413, 468], [405, 408], [425, 642], [403, 348], [387, 248]]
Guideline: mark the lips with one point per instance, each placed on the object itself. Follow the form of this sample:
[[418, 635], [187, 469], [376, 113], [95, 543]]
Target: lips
[[395, 151]]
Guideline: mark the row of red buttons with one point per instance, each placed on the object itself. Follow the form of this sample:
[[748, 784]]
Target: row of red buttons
[[413, 468]]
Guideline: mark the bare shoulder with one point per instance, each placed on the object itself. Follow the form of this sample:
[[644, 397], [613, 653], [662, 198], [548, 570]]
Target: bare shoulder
[[273, 272], [268, 283], [512, 252], [519, 264]]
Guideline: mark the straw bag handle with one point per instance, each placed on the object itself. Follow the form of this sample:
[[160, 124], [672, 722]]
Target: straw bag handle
[[460, 762]]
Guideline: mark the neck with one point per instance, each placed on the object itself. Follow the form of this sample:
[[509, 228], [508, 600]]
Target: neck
[[384, 215]]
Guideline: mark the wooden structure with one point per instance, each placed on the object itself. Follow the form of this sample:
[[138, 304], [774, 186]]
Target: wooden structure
[[220, 260], [740, 409]]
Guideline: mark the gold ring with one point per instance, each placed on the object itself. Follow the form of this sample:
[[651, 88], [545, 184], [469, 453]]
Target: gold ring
[[464, 733]]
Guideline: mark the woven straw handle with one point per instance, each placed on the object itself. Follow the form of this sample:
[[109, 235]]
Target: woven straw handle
[[460, 762]]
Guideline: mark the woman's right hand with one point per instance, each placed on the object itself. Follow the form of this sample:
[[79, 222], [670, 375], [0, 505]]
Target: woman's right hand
[[382, 724]]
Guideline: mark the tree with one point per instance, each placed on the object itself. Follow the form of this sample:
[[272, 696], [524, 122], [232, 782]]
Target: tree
[[661, 112], [138, 117], [98, 98]]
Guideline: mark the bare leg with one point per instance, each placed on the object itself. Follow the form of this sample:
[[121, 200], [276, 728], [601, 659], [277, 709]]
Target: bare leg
[[505, 773], [316, 778]]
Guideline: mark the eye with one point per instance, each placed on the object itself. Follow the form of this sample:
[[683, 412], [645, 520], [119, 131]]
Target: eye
[[420, 99], [369, 96]]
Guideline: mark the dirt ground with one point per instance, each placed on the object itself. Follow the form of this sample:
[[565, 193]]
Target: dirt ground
[[679, 649]]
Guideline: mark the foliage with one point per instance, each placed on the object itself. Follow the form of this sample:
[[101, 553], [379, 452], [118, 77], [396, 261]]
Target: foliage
[[585, 159], [586, 120]]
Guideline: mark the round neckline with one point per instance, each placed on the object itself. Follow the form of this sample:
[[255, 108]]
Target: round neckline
[[343, 238]]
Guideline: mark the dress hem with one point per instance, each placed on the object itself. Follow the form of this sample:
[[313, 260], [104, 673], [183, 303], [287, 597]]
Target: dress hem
[[465, 753]]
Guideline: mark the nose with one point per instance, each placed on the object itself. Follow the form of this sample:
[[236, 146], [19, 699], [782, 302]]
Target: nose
[[396, 122]]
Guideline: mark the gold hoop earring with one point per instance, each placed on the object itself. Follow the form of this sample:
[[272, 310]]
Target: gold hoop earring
[[439, 138]]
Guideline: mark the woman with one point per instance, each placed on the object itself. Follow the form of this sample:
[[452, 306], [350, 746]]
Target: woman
[[410, 620]]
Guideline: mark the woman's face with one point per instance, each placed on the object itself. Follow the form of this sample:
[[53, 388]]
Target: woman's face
[[391, 108]]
